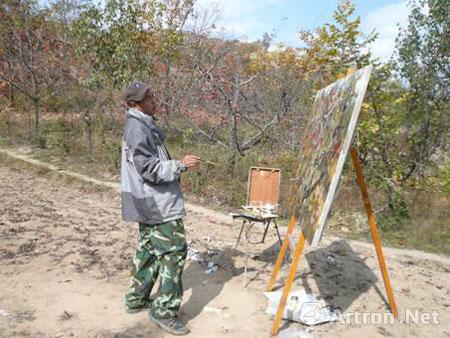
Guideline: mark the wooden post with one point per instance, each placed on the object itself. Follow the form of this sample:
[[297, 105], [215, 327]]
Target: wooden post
[[282, 253], [288, 286], [374, 231]]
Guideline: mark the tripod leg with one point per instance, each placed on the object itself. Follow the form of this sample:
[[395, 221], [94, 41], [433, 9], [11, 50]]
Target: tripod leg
[[374, 232], [286, 257], [288, 286], [240, 234], [283, 249], [267, 223]]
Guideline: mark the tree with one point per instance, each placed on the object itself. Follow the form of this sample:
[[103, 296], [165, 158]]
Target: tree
[[339, 45], [406, 115], [237, 101], [29, 51], [122, 38], [383, 136], [423, 62]]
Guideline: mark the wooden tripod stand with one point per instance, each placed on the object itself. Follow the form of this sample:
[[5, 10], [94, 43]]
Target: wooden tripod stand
[[301, 244]]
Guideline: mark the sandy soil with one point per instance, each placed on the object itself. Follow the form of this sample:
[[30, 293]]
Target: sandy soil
[[65, 261]]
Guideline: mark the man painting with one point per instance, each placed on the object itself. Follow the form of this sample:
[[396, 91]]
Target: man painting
[[152, 197]]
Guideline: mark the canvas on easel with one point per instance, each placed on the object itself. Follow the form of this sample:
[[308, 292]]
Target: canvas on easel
[[326, 143], [325, 146]]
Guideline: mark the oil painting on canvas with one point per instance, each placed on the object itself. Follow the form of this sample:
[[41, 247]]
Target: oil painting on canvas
[[325, 144]]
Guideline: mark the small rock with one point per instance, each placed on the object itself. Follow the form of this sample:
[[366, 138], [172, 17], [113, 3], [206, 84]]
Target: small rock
[[381, 330], [65, 315], [293, 332], [212, 309], [345, 230], [4, 313]]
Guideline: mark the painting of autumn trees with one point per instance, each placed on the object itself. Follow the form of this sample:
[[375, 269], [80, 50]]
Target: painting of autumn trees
[[63, 64]]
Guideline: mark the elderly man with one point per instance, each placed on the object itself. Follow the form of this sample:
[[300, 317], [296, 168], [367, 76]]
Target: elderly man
[[152, 197]]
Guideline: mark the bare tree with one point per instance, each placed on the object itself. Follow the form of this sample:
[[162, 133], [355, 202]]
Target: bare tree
[[30, 51]]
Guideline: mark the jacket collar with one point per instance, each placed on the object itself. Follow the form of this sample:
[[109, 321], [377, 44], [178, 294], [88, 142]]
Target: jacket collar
[[148, 120]]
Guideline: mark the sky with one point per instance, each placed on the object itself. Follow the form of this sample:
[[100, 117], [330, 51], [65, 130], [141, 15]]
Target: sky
[[248, 19]]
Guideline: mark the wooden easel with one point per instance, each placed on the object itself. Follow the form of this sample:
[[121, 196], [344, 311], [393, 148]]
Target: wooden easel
[[263, 191], [301, 244]]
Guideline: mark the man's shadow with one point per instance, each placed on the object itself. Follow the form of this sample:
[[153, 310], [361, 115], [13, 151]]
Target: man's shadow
[[206, 287]]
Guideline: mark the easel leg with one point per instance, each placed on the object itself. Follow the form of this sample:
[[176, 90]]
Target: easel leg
[[240, 234], [267, 223], [278, 233], [283, 249], [374, 231], [247, 249], [286, 257], [288, 286]]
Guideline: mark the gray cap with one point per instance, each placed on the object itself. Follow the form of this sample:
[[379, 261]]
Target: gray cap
[[135, 91]]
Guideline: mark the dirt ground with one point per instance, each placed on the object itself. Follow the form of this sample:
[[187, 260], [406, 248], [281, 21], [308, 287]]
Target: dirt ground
[[65, 261]]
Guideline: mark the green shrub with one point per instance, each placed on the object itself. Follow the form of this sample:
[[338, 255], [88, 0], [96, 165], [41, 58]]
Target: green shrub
[[444, 179]]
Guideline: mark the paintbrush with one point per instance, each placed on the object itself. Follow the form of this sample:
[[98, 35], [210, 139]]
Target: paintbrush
[[209, 162]]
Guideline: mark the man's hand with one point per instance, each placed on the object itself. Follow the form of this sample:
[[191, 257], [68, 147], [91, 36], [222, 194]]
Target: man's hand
[[190, 161]]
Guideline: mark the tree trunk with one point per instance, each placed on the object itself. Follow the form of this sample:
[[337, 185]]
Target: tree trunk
[[90, 141], [11, 95], [390, 198], [8, 120], [37, 114], [231, 166]]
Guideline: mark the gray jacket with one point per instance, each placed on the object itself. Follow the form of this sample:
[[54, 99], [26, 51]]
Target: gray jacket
[[151, 191]]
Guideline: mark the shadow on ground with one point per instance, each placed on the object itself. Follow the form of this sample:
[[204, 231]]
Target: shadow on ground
[[339, 273], [206, 287]]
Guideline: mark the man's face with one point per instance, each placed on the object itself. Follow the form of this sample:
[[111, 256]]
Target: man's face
[[148, 104]]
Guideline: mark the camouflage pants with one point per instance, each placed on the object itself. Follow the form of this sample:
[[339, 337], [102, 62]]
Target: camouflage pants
[[161, 252]]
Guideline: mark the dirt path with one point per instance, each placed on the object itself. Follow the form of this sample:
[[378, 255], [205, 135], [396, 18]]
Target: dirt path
[[65, 256]]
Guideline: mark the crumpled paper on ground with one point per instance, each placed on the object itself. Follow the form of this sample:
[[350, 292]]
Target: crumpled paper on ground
[[301, 307], [194, 255]]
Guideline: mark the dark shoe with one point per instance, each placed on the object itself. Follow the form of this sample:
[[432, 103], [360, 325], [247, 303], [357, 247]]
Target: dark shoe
[[137, 309], [171, 325]]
